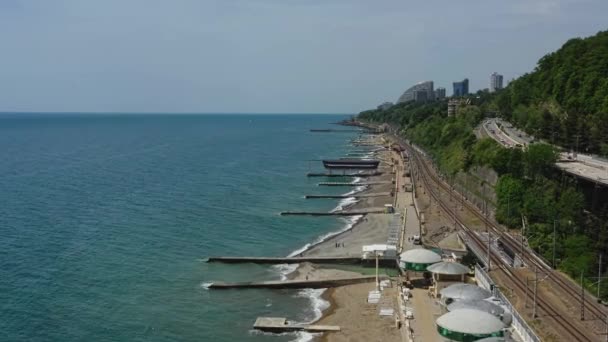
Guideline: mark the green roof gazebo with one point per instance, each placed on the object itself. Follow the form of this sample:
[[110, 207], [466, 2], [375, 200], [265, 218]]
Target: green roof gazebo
[[418, 259], [468, 325]]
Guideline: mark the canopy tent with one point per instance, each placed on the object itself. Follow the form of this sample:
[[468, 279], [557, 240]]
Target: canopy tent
[[448, 268], [463, 291], [469, 325], [418, 259], [477, 304]]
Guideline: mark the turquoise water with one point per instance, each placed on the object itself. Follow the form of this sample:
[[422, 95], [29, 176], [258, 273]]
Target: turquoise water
[[106, 220]]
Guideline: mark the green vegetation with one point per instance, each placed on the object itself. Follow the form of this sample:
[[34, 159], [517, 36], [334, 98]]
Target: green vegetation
[[565, 99], [527, 186]]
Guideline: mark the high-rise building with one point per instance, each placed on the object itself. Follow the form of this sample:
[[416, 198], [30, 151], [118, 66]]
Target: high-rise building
[[461, 88], [422, 91], [495, 82], [439, 93]]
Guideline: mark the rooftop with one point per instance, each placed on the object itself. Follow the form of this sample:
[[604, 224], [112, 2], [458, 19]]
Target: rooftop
[[449, 268], [420, 256], [470, 321], [465, 291]]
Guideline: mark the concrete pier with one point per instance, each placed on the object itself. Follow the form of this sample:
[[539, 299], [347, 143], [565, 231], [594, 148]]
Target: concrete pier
[[280, 325], [351, 175], [294, 284], [294, 260], [379, 194], [351, 184], [335, 213]]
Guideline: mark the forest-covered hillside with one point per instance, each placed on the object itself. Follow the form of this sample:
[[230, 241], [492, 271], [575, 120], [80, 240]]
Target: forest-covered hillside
[[564, 100]]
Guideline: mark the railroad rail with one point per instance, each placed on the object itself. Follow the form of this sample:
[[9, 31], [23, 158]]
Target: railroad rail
[[427, 176], [566, 285]]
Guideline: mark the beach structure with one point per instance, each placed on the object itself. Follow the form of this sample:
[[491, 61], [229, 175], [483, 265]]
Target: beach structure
[[477, 304], [469, 325], [351, 164], [281, 325], [485, 305], [379, 251], [463, 292], [383, 251], [448, 270], [418, 259]]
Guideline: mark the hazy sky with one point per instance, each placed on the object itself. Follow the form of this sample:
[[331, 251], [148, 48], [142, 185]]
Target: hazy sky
[[277, 56]]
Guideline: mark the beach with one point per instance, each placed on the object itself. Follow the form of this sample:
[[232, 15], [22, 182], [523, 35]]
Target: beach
[[348, 307]]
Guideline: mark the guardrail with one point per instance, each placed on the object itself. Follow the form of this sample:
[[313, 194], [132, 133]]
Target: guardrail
[[519, 324]]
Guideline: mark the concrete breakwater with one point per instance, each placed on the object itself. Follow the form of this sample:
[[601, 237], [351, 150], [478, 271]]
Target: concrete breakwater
[[295, 284]]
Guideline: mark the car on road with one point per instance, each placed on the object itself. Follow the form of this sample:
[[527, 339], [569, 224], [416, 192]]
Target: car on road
[[416, 240]]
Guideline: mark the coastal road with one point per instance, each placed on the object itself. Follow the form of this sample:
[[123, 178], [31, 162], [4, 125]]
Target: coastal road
[[591, 168]]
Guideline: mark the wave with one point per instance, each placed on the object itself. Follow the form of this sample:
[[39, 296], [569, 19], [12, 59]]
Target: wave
[[350, 222], [206, 285], [346, 202], [318, 305], [285, 269]]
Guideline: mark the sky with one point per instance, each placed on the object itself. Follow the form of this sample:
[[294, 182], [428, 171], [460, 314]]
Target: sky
[[268, 56]]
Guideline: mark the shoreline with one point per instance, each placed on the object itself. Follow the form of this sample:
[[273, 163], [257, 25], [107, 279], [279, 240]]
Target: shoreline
[[358, 231]]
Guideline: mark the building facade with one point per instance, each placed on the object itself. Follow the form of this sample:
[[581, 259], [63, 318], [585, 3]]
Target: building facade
[[452, 107], [461, 88], [439, 93], [420, 92], [495, 82]]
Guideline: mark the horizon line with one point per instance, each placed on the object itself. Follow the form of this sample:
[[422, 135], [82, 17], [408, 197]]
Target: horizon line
[[173, 113]]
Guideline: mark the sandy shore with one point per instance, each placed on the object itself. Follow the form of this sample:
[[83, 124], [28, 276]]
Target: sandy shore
[[348, 308]]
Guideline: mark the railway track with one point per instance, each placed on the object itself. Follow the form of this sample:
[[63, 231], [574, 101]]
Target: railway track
[[428, 177], [566, 285]]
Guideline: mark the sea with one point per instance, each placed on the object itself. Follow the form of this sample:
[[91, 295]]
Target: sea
[[106, 221]]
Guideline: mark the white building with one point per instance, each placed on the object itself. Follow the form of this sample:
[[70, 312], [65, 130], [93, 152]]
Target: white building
[[495, 82], [423, 91]]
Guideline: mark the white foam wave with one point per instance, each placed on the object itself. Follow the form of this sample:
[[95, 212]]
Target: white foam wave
[[318, 305], [206, 285], [344, 203], [300, 250], [350, 222], [285, 269]]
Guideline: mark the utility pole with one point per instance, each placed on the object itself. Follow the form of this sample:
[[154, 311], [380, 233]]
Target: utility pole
[[599, 278], [455, 207], [554, 223], [377, 282], [582, 296], [489, 244], [607, 327], [526, 300], [535, 291]]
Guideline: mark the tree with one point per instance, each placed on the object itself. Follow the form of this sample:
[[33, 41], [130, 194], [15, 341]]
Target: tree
[[538, 159]]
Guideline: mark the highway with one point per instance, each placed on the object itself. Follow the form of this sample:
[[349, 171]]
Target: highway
[[584, 166]]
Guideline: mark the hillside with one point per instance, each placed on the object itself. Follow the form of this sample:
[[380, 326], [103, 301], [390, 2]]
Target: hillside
[[565, 99]]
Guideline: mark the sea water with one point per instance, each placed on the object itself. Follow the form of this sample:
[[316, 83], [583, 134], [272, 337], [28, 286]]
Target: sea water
[[106, 221]]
